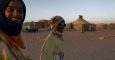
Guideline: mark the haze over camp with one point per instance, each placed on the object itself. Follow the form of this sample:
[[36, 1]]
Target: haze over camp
[[94, 11]]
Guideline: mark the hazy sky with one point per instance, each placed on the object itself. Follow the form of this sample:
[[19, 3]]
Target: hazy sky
[[92, 10]]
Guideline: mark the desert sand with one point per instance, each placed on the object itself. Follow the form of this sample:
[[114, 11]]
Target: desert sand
[[96, 45]]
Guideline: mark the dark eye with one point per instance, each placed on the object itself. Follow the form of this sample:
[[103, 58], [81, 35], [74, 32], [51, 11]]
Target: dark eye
[[9, 9]]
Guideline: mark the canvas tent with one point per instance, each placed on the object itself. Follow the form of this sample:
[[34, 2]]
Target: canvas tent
[[81, 25]]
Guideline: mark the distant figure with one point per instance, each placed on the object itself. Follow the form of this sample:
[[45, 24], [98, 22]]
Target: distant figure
[[12, 15], [52, 47]]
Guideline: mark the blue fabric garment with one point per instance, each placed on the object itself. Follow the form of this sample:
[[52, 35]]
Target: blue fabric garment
[[7, 26]]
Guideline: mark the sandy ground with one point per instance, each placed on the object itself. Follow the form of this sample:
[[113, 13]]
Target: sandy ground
[[98, 45]]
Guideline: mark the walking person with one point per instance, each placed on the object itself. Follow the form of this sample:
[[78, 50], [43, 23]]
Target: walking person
[[52, 48]]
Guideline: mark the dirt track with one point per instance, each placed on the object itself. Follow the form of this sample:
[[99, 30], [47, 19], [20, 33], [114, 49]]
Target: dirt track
[[77, 46]]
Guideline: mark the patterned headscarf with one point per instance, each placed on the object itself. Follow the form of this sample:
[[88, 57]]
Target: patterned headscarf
[[57, 24], [7, 26]]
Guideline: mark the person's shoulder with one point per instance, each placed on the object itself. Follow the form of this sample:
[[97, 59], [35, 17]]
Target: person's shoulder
[[49, 35], [1, 36]]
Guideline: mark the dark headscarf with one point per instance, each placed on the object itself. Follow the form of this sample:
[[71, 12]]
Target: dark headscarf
[[7, 26]]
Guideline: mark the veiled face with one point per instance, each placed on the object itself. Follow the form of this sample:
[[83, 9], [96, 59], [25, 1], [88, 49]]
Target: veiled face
[[57, 23], [14, 11], [60, 27]]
